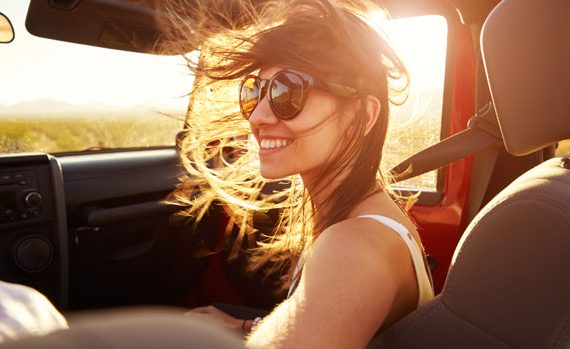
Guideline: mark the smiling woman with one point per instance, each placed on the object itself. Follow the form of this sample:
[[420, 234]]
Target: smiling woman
[[312, 85]]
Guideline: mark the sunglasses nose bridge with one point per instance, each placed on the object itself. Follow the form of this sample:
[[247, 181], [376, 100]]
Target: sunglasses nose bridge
[[262, 90], [263, 114]]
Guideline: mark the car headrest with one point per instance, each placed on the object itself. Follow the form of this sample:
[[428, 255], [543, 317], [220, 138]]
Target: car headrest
[[526, 53]]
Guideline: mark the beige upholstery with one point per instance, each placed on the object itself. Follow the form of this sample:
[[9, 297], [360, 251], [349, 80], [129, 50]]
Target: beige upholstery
[[526, 52], [509, 282], [508, 285]]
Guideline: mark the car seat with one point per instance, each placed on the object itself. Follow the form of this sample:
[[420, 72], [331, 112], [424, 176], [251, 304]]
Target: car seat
[[509, 284]]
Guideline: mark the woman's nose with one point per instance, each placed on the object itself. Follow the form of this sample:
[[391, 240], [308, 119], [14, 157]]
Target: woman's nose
[[263, 114]]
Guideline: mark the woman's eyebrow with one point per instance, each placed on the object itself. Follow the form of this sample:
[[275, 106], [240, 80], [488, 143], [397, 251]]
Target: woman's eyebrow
[[261, 72]]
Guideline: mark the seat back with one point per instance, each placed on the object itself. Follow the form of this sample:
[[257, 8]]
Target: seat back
[[508, 285]]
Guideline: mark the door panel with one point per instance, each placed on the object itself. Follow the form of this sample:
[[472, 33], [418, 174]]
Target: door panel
[[125, 247]]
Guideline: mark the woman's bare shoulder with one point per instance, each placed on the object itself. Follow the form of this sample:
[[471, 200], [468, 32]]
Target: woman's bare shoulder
[[354, 270], [372, 248]]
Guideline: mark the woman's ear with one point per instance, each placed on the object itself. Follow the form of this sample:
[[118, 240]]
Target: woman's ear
[[373, 108]]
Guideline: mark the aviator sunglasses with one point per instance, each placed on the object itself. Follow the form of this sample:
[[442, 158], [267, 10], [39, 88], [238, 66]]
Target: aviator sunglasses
[[287, 91]]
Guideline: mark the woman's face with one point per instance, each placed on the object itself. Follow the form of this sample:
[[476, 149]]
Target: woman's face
[[301, 145]]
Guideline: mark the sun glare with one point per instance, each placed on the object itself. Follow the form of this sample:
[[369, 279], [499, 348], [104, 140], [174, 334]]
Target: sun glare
[[421, 43], [42, 69]]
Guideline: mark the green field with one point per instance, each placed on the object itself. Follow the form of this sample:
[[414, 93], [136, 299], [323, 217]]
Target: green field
[[52, 134]]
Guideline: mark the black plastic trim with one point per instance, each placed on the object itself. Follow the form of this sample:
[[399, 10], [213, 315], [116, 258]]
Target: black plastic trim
[[97, 216], [98, 177], [60, 228]]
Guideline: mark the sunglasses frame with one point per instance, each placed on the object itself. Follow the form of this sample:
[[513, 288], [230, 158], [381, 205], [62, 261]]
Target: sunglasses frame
[[309, 82]]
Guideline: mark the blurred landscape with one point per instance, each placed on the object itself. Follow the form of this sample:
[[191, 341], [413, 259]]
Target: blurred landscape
[[414, 126], [54, 127]]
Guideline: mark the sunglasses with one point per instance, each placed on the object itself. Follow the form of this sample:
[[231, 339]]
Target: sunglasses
[[287, 91]]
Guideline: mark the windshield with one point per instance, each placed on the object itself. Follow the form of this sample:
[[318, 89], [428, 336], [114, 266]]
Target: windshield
[[62, 97]]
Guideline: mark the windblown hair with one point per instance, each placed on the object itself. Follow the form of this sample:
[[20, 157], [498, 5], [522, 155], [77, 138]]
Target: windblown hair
[[328, 39]]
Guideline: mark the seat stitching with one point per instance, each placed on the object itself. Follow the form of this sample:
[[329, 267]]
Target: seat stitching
[[402, 329], [417, 321], [475, 325]]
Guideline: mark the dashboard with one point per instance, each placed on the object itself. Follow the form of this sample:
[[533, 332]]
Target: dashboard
[[33, 234]]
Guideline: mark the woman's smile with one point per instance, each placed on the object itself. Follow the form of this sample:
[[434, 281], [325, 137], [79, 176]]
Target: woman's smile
[[269, 146]]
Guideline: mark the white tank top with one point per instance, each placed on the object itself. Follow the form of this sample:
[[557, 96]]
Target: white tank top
[[425, 283]]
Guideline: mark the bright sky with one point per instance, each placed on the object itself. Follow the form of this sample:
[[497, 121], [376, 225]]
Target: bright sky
[[421, 43], [37, 68]]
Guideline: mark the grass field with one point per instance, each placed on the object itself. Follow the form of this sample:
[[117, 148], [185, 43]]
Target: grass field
[[63, 134]]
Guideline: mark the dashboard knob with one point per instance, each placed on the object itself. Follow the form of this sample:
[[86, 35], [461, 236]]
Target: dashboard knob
[[33, 199], [33, 254]]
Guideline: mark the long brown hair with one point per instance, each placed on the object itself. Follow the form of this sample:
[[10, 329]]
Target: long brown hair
[[328, 39]]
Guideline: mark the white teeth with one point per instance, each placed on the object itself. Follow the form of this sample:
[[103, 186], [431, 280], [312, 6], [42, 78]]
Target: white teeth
[[274, 143]]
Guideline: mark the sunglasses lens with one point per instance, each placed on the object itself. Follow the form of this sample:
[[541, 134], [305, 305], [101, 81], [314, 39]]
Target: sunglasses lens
[[287, 95], [248, 96]]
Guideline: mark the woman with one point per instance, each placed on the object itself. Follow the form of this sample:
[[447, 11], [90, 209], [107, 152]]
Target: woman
[[315, 82]]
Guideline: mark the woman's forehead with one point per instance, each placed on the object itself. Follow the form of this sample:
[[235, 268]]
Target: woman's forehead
[[268, 71]]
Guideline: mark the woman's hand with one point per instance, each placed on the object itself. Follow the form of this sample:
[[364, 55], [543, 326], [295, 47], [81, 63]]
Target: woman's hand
[[216, 315]]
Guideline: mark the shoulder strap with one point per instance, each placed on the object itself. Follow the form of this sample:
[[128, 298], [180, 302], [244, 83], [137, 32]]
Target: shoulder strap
[[390, 222], [482, 132]]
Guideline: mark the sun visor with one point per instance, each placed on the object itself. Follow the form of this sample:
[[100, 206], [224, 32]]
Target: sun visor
[[129, 25], [526, 53]]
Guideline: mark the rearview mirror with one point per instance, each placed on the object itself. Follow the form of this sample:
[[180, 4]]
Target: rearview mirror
[[6, 29]]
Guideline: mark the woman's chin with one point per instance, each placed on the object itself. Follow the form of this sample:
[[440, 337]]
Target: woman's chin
[[273, 173]]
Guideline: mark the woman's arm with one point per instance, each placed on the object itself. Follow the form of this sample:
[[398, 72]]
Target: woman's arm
[[349, 283]]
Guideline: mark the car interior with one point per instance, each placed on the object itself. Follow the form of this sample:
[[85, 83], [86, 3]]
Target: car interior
[[507, 286], [92, 230]]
